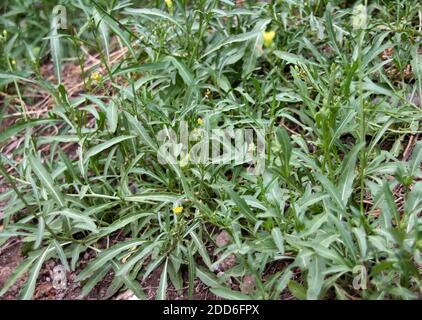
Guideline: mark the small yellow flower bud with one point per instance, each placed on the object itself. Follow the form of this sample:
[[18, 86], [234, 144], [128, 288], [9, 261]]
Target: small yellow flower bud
[[96, 76], [5, 33], [268, 38], [200, 121], [178, 210], [13, 62]]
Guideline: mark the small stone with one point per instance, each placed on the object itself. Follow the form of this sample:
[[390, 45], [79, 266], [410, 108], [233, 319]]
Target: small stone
[[223, 239], [59, 278], [228, 263], [248, 284]]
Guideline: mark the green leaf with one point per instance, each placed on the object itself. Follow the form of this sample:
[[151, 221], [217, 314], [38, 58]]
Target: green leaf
[[230, 40], [92, 281], [112, 116], [61, 255], [120, 224], [10, 77], [229, 294], [327, 253], [105, 257], [115, 26], [140, 130], [413, 201], [315, 278], [105, 145], [241, 203], [278, 239], [297, 290], [201, 249], [28, 290], [332, 190], [46, 179], [154, 13], [75, 256], [254, 46], [389, 207], [191, 273], [137, 257], [416, 159], [153, 197], [208, 278], [342, 127], [55, 49], [330, 30], [362, 242], [286, 148], [282, 283], [162, 288], [348, 173], [40, 232], [175, 277], [374, 88], [182, 69], [130, 282], [14, 130], [104, 31], [80, 220], [292, 58]]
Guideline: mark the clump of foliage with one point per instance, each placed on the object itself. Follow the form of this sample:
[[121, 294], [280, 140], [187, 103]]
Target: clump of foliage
[[338, 207]]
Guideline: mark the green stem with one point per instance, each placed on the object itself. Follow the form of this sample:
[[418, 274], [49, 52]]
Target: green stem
[[362, 119]]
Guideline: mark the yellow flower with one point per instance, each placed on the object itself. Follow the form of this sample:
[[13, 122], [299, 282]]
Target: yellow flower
[[268, 38], [5, 33], [169, 3], [200, 121], [178, 210], [13, 62], [96, 76]]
